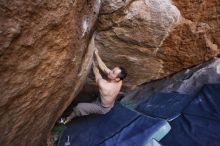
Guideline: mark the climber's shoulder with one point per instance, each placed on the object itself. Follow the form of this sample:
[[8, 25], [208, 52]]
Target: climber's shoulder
[[102, 82]]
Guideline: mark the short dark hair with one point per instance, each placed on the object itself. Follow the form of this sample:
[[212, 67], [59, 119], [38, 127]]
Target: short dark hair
[[122, 75]]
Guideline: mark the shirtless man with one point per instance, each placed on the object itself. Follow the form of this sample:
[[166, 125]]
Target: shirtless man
[[108, 89]]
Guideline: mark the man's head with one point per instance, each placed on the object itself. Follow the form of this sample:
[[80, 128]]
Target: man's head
[[118, 73]]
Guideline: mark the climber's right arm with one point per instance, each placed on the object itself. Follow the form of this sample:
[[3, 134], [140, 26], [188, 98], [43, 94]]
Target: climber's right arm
[[96, 72], [101, 64]]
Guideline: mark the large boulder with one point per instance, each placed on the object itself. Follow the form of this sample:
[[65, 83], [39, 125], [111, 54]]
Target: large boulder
[[44, 61], [153, 39]]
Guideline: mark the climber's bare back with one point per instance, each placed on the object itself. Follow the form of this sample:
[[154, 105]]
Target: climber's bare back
[[108, 91]]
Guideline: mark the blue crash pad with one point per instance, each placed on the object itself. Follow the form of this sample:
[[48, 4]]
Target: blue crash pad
[[153, 142], [190, 130], [120, 126], [140, 132], [207, 103], [199, 125], [165, 105]]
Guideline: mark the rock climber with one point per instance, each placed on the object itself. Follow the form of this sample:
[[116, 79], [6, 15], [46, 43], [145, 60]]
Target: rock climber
[[108, 88]]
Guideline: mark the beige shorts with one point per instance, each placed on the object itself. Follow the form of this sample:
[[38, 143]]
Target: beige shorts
[[83, 109]]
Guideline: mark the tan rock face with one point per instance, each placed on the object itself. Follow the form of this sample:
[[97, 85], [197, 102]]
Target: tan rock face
[[43, 63], [153, 39], [185, 46]]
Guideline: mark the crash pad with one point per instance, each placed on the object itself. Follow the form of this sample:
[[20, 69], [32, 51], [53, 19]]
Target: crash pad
[[120, 126]]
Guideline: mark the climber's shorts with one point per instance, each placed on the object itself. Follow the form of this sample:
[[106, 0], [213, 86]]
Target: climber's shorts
[[83, 109]]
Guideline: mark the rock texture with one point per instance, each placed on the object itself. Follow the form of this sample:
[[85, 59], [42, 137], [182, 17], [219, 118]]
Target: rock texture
[[153, 39], [43, 63], [44, 55]]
